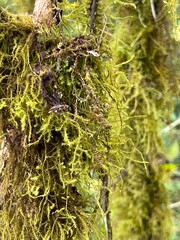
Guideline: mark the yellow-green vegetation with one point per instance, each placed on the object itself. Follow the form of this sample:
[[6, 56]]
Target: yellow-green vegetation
[[80, 101], [54, 131], [18, 6], [145, 49]]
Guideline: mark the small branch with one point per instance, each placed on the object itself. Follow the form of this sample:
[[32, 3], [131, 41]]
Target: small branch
[[104, 193], [104, 200], [175, 205], [104, 196], [93, 9], [171, 125], [109, 226], [153, 10]]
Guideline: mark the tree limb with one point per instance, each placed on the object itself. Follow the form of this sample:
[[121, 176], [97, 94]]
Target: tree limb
[[93, 9], [175, 205]]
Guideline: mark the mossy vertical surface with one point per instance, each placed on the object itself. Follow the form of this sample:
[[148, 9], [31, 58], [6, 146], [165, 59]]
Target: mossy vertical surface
[[71, 111], [54, 132], [145, 49]]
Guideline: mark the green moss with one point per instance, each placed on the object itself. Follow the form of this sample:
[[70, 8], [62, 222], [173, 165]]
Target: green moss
[[54, 123], [145, 48], [74, 113]]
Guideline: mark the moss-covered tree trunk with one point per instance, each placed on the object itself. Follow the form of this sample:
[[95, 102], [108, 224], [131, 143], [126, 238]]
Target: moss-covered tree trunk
[[81, 98], [54, 127], [146, 52]]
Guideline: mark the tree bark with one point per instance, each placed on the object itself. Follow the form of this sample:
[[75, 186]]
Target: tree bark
[[43, 12]]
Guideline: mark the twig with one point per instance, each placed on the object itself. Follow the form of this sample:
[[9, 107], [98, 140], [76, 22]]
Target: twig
[[171, 125], [104, 196], [104, 193], [175, 205], [93, 9], [153, 10], [104, 200], [109, 226]]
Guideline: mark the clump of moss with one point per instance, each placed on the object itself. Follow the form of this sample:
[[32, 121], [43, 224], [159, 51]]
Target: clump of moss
[[55, 132]]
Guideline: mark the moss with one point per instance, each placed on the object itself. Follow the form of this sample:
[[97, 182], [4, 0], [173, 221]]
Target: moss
[[55, 129], [145, 48], [74, 113]]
